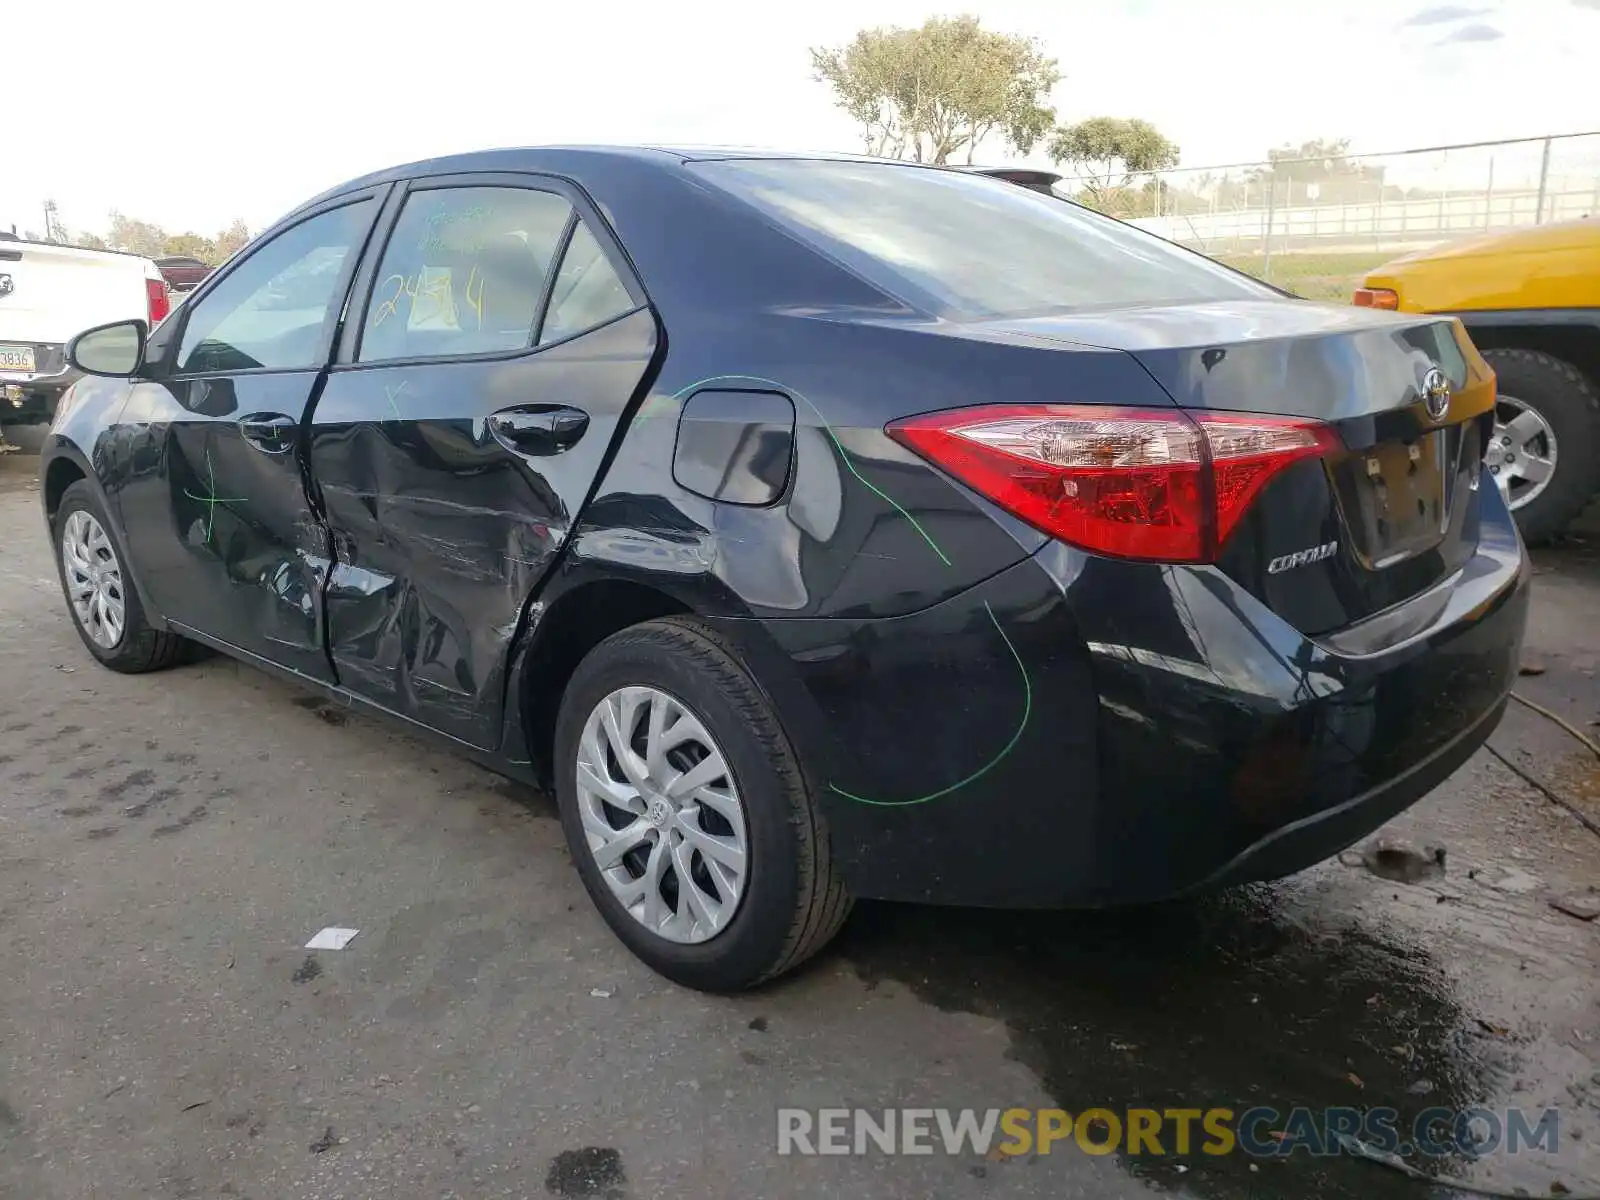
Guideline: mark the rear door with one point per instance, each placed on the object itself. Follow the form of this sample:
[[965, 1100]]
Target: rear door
[[480, 382], [215, 507]]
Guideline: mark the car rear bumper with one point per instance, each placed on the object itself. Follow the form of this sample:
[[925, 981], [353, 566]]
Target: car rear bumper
[[35, 395], [1319, 835], [1084, 731]]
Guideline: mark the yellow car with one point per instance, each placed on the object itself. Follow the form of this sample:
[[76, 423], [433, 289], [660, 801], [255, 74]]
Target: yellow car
[[1530, 298]]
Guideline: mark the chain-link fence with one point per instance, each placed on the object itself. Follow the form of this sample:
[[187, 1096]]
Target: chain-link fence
[[1317, 224]]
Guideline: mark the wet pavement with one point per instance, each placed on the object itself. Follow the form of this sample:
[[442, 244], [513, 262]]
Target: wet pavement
[[169, 843]]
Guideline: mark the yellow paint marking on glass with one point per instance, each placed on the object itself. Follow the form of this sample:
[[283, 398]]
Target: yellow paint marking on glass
[[431, 292], [433, 302], [388, 308], [475, 299]]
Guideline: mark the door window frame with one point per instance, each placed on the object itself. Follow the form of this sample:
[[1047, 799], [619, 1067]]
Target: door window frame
[[378, 197], [583, 209]]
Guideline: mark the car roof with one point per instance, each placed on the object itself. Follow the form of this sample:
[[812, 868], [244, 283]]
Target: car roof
[[633, 186], [702, 153], [556, 157]]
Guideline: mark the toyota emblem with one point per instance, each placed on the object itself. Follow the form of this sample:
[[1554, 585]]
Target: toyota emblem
[[1436, 393]]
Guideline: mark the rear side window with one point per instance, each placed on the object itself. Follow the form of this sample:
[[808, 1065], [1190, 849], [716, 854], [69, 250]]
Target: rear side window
[[968, 246], [587, 291], [272, 310], [463, 273]]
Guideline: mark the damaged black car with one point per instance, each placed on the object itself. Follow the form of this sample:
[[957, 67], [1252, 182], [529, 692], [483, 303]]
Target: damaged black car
[[814, 528]]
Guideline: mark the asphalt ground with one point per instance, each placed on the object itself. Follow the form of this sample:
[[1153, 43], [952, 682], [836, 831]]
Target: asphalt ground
[[168, 844]]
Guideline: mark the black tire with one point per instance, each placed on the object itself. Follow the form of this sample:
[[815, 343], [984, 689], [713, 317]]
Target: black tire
[[794, 901], [1569, 402], [141, 648]]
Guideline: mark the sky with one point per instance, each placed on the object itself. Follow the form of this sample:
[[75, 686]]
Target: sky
[[189, 113]]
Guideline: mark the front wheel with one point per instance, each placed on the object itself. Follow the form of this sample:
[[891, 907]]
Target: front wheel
[[105, 607], [687, 813], [1545, 451]]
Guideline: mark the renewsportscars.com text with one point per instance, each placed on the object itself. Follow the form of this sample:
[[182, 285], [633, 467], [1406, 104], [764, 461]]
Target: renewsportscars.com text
[[1259, 1132]]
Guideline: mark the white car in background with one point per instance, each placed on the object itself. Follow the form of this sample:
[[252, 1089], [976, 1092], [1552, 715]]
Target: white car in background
[[48, 294]]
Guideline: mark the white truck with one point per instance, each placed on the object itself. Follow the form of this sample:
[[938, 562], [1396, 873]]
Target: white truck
[[48, 294]]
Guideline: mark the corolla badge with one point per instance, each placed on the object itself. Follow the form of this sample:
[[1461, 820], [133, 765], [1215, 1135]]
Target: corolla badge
[[1287, 562], [1436, 393]]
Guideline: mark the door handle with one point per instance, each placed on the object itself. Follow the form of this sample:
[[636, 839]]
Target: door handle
[[273, 433], [540, 429]]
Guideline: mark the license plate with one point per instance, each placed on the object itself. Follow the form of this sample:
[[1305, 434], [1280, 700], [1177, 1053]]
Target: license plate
[[17, 358]]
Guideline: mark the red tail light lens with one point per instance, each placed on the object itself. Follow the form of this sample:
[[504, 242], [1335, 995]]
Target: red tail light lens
[[1154, 484], [1248, 450], [160, 304]]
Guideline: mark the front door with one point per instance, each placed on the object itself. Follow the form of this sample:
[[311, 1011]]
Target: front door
[[216, 510], [459, 434]]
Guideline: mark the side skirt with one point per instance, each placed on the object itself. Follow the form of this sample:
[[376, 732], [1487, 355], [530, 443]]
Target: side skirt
[[522, 772]]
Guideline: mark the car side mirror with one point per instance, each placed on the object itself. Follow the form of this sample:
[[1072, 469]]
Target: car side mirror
[[116, 349]]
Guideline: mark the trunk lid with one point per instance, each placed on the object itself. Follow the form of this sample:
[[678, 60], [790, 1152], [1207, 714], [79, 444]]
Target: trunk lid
[[1335, 539]]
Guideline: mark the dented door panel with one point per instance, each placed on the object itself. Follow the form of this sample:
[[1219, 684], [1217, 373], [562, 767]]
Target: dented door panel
[[225, 539], [441, 529]]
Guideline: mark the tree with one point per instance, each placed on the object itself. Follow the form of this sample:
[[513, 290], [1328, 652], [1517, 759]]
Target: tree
[[190, 245], [229, 242], [152, 241], [1109, 153], [1317, 159], [136, 237], [939, 90], [1321, 169]]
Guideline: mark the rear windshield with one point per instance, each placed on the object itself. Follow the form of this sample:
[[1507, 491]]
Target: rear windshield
[[966, 245]]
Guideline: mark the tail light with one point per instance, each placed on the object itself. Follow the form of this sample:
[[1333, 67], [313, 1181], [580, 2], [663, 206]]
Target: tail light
[[1375, 298], [159, 303], [1163, 485]]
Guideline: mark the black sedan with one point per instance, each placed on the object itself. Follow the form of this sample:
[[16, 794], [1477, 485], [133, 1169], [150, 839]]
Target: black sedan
[[814, 527]]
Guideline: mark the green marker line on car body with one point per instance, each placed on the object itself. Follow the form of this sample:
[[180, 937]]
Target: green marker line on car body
[[211, 499], [844, 455]]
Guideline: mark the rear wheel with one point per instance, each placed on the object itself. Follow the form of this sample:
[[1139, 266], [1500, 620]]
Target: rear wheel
[[686, 811], [105, 607], [1545, 451]]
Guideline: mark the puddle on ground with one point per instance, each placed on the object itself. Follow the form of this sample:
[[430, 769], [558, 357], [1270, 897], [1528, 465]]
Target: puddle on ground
[[1231, 1001]]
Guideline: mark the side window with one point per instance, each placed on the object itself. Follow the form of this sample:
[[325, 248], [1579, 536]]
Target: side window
[[587, 291], [273, 309], [463, 273]]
